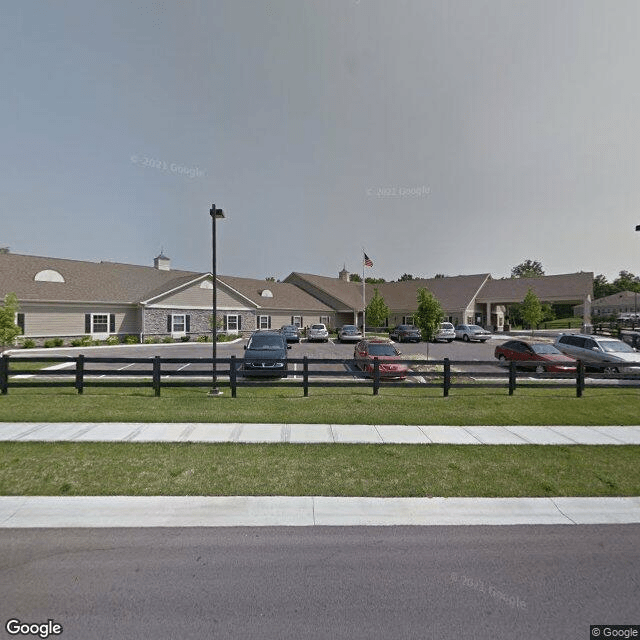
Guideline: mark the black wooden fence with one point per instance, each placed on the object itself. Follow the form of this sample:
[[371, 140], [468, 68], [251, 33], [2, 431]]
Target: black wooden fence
[[157, 372]]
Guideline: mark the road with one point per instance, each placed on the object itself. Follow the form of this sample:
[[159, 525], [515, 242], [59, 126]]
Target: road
[[524, 582]]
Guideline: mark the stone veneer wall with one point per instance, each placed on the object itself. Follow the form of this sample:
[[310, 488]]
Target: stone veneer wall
[[156, 321]]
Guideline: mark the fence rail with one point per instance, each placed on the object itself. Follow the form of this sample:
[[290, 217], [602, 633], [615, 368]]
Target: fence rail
[[158, 372]]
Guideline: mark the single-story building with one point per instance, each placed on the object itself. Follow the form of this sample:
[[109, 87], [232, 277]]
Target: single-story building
[[72, 298], [622, 305]]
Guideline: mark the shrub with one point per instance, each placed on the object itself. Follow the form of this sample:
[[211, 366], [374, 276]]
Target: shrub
[[151, 340], [167, 339], [203, 338], [85, 341], [185, 338], [112, 340], [132, 340], [28, 343], [53, 342]]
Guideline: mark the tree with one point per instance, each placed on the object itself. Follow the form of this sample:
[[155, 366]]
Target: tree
[[374, 280], [377, 311], [9, 330], [354, 277], [429, 314], [601, 287], [527, 269], [531, 310], [405, 277], [626, 281]]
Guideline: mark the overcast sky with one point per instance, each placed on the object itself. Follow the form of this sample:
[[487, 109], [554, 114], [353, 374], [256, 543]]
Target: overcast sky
[[451, 137]]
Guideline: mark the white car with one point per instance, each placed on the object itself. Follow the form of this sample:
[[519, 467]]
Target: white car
[[317, 333], [469, 332], [446, 332], [349, 333]]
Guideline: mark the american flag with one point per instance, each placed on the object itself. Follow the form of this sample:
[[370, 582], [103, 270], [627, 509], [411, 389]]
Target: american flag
[[368, 262]]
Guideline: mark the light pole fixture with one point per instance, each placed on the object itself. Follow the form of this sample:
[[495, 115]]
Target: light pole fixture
[[216, 214]]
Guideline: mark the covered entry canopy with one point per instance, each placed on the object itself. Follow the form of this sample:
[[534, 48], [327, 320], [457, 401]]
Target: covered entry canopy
[[570, 288]]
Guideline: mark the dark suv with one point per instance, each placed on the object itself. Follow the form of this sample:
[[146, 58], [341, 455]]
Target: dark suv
[[266, 355]]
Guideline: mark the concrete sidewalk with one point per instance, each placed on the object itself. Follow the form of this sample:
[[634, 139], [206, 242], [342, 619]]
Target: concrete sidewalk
[[316, 433], [261, 511]]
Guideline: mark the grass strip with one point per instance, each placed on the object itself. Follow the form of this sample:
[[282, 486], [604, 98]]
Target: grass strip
[[284, 404], [152, 469]]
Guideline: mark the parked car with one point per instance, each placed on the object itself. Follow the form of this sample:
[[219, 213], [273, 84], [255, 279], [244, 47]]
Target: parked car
[[266, 354], [406, 333], [469, 332], [349, 333], [540, 356], [290, 332], [368, 349], [599, 352], [317, 333], [446, 332]]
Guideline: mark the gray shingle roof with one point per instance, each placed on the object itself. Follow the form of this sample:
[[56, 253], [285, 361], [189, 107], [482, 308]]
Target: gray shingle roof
[[85, 281], [285, 296], [565, 287]]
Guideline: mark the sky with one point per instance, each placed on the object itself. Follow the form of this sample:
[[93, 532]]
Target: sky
[[451, 137]]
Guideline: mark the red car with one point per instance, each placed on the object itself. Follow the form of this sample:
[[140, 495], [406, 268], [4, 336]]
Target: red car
[[367, 350], [540, 356]]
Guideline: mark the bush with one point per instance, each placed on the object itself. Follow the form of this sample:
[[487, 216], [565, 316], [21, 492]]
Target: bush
[[132, 340], [28, 343], [85, 341], [167, 339], [53, 342], [185, 338], [112, 341], [203, 338], [151, 340]]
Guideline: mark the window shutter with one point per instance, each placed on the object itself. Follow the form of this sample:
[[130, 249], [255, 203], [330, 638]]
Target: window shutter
[[269, 321], [112, 323], [20, 321], [187, 323], [239, 322], [87, 323], [225, 326], [169, 318]]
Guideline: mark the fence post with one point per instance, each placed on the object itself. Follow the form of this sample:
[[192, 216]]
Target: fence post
[[80, 373], [376, 376], [232, 376], [447, 377], [579, 379], [156, 375], [305, 375], [4, 374], [512, 377]]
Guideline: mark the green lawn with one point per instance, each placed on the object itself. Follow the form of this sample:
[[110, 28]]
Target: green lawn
[[31, 468], [335, 406]]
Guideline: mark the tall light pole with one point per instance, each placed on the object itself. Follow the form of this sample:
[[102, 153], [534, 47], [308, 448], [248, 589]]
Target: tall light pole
[[215, 215]]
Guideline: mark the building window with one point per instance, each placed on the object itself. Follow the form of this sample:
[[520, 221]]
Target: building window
[[178, 323], [324, 320], [20, 321], [102, 323], [264, 322], [297, 321], [232, 323], [407, 319]]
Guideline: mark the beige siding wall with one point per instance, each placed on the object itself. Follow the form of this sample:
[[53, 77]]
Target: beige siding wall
[[63, 320], [197, 297], [281, 318]]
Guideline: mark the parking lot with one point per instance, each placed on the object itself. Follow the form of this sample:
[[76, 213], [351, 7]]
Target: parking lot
[[201, 352]]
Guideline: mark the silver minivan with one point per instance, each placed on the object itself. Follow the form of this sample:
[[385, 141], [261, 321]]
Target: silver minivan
[[445, 332], [599, 352]]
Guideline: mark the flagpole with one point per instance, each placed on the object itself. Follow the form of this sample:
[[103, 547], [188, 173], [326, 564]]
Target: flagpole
[[364, 323]]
